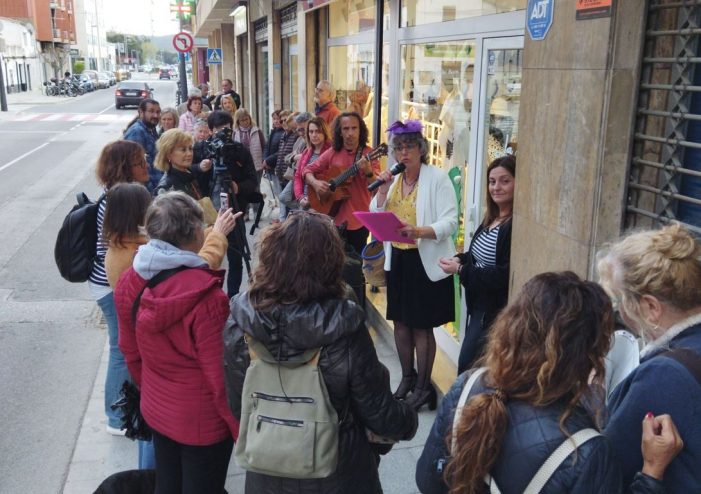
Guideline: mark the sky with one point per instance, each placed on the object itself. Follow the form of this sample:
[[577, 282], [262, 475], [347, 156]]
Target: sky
[[136, 16]]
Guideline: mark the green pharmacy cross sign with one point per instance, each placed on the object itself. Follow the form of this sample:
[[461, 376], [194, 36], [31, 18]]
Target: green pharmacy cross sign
[[183, 8]]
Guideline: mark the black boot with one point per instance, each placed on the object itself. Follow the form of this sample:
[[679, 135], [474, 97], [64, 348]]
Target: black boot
[[406, 386], [423, 396]]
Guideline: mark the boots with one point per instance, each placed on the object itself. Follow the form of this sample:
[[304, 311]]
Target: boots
[[423, 396], [406, 386]]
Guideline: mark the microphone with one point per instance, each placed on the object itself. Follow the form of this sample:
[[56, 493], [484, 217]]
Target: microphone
[[395, 170]]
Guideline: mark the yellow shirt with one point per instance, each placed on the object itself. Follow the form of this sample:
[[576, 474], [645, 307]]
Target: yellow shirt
[[404, 208]]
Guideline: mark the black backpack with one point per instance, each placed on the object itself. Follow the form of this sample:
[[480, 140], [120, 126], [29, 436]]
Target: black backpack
[[77, 240]]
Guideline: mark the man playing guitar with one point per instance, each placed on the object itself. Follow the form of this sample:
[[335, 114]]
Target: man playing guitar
[[350, 135]]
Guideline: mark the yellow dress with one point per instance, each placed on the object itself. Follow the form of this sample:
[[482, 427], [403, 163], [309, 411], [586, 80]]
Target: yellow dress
[[404, 208]]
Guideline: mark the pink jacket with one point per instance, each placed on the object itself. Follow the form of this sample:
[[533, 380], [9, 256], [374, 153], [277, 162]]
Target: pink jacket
[[187, 122], [299, 172], [257, 143], [175, 353]]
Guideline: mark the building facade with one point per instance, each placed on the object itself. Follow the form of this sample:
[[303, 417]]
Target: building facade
[[600, 113], [54, 26], [21, 62], [91, 40]]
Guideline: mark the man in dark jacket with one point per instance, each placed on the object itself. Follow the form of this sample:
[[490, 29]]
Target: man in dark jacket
[[227, 87], [242, 172], [144, 132]]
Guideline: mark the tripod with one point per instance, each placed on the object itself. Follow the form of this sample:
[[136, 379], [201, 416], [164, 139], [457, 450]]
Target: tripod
[[237, 238]]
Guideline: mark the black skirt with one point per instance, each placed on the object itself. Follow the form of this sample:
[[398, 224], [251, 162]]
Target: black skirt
[[412, 298]]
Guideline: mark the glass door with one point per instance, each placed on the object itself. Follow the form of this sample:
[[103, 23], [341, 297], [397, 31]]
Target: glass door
[[496, 132]]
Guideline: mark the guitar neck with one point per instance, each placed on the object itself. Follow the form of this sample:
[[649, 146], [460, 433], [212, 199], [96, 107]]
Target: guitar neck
[[346, 174]]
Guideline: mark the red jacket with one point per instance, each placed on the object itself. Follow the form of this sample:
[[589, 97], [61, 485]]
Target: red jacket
[[328, 113], [301, 165], [175, 355]]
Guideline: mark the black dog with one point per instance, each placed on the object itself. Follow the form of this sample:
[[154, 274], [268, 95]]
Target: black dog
[[129, 482]]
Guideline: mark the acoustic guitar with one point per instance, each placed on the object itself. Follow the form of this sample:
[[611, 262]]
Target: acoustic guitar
[[339, 179]]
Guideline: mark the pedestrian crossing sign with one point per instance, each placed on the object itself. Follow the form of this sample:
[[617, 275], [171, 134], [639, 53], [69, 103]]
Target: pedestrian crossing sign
[[213, 56]]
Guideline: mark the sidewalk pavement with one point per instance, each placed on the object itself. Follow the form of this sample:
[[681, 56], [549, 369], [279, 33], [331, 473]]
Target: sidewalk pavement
[[97, 454], [18, 102]]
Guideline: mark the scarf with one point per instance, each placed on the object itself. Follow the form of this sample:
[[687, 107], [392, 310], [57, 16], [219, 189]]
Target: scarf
[[245, 136]]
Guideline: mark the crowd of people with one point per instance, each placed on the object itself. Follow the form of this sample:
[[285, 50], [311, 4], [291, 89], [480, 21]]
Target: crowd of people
[[531, 373]]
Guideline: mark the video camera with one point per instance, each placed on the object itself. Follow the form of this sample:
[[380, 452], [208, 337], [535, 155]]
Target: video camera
[[220, 149]]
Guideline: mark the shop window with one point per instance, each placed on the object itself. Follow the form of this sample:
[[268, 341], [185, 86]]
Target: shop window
[[347, 17], [418, 12], [290, 79], [352, 72]]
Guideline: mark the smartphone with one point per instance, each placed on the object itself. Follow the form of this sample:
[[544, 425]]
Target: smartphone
[[224, 201]]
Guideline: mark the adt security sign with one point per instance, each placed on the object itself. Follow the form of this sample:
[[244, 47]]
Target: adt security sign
[[539, 18]]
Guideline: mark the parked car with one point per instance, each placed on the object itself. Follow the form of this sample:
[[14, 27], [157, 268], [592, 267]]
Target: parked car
[[123, 75], [103, 80], [111, 77], [92, 74], [85, 81], [164, 74], [131, 93]]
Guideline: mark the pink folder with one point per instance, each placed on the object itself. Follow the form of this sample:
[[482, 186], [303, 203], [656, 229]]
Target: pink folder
[[383, 226]]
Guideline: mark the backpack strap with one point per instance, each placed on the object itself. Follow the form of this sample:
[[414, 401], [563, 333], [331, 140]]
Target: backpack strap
[[689, 359], [558, 457], [476, 374], [161, 276]]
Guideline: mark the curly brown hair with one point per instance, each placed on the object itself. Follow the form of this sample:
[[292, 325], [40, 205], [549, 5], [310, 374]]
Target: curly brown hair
[[116, 162], [542, 349], [299, 261]]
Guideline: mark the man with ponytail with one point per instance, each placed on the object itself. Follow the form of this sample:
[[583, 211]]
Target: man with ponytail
[[544, 351]]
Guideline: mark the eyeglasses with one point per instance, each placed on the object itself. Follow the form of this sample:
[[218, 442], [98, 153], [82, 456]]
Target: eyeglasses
[[301, 131], [404, 147]]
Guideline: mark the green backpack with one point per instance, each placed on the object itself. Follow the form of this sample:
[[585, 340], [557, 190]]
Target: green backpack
[[288, 426]]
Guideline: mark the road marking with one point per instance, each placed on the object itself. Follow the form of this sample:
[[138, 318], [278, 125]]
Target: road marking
[[23, 156], [103, 111], [72, 117], [31, 131]]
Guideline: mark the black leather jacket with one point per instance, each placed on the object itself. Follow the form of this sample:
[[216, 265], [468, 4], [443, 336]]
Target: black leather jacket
[[532, 435], [178, 180], [358, 385]]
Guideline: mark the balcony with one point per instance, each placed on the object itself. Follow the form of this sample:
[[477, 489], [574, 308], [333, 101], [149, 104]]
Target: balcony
[[69, 7], [56, 35], [53, 5], [211, 14]]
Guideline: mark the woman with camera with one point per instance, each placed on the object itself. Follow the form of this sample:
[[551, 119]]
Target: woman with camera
[[177, 305]]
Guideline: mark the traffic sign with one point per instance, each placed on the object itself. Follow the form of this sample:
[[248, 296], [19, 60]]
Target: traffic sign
[[213, 56], [539, 18], [183, 42]]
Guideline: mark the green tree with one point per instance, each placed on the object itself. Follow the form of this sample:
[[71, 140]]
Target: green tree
[[78, 67]]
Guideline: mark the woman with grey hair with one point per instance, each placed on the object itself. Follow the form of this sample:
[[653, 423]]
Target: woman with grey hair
[[179, 307], [420, 295]]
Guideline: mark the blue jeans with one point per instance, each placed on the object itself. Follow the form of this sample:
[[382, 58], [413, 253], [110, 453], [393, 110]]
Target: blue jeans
[[117, 371], [275, 183], [147, 455]]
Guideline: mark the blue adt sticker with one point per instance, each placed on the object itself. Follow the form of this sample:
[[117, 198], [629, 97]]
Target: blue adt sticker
[[539, 18]]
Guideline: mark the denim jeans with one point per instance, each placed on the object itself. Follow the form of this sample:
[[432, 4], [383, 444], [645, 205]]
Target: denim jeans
[[287, 197], [117, 371], [277, 190], [147, 455]]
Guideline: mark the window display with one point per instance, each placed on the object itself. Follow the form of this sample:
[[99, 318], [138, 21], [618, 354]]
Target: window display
[[418, 12], [348, 17]]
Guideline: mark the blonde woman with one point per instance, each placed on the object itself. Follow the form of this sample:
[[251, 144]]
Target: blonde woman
[[169, 120], [174, 158], [247, 133], [228, 105], [654, 280]]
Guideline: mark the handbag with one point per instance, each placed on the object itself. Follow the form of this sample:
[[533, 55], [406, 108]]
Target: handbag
[[210, 212], [290, 172], [129, 402], [373, 256]]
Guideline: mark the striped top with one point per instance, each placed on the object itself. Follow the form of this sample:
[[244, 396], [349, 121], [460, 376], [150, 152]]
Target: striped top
[[98, 275], [484, 248]]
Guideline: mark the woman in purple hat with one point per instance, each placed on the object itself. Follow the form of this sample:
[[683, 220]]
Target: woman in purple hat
[[420, 295]]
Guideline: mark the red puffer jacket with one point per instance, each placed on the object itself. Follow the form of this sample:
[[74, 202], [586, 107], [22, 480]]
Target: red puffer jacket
[[175, 354]]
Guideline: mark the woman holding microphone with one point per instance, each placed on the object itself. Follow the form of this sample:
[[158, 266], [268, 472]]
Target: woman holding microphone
[[420, 295]]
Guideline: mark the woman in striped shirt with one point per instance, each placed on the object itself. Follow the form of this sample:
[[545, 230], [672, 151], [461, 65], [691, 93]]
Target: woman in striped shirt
[[119, 162], [484, 268]]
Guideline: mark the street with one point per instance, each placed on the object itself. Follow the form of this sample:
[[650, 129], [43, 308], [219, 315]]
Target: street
[[51, 339]]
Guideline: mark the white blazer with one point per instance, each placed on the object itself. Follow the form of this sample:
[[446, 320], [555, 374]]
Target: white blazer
[[437, 207]]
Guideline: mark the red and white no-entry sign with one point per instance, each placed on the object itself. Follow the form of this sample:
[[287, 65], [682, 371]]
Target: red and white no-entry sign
[[183, 42]]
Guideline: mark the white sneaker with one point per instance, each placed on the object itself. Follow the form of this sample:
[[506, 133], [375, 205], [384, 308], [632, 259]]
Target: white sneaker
[[114, 431]]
